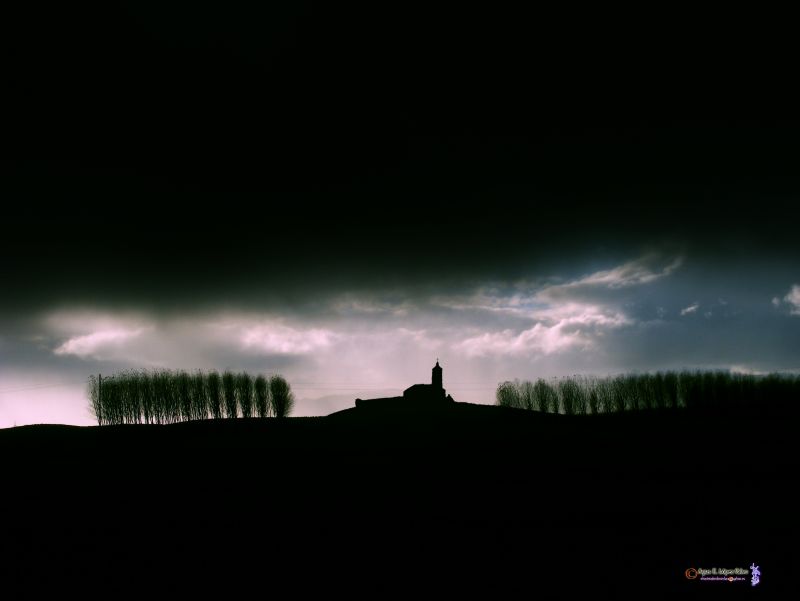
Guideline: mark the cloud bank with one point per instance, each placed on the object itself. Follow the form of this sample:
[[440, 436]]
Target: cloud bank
[[792, 298]]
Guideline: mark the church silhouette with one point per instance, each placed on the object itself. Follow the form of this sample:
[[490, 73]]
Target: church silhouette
[[418, 396]]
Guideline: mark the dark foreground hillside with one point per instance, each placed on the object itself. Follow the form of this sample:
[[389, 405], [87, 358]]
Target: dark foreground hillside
[[470, 502]]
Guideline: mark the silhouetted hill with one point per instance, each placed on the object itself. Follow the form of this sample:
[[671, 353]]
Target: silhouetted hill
[[470, 501]]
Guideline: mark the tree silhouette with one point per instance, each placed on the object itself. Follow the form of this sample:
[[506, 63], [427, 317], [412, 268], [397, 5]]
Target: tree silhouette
[[229, 393], [244, 392], [281, 396], [214, 385], [261, 387]]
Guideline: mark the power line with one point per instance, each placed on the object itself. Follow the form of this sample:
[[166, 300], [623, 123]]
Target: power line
[[40, 386], [386, 387], [300, 387]]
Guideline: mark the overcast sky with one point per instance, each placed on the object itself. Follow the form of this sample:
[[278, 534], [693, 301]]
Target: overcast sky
[[344, 198]]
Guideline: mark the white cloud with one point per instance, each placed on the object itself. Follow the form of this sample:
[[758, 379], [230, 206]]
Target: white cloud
[[526, 319], [558, 329], [581, 314], [539, 339], [90, 345], [419, 337], [643, 270], [526, 298], [690, 309], [746, 370], [560, 317], [632, 273], [793, 299], [282, 339], [95, 335]]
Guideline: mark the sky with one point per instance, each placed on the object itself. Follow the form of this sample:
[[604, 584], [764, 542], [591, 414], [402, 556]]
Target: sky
[[344, 196]]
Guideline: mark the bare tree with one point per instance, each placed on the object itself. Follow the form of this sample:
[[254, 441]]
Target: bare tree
[[281, 396]]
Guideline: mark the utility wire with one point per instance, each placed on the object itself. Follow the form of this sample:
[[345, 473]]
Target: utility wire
[[300, 387], [39, 386]]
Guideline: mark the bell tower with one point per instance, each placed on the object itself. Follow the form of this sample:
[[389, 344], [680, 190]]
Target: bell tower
[[436, 376]]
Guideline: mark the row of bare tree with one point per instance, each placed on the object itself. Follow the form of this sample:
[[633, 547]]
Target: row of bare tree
[[164, 397], [777, 394]]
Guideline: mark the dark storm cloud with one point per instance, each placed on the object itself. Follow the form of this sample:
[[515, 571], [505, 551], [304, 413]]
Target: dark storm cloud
[[270, 155], [152, 242]]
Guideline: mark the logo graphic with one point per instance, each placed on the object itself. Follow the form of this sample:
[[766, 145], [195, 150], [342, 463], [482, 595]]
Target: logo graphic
[[725, 574]]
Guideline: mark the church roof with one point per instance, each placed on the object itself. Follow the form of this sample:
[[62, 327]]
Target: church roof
[[419, 386]]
